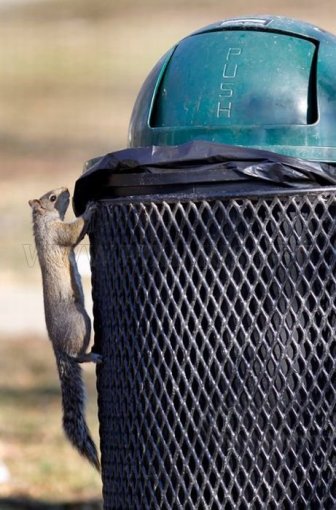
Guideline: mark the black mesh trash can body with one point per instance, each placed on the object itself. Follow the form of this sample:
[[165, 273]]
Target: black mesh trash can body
[[216, 317]]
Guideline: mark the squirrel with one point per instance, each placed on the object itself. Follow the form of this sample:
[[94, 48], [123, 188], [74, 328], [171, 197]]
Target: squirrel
[[67, 321]]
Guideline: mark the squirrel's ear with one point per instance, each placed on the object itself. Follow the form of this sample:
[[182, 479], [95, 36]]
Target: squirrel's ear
[[34, 203]]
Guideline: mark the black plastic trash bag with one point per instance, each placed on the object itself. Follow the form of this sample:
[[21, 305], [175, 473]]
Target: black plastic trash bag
[[190, 166]]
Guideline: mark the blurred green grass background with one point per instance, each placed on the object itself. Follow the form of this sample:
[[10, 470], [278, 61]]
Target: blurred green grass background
[[70, 73]]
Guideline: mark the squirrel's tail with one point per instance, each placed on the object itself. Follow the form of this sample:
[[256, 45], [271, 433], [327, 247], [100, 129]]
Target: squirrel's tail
[[73, 401]]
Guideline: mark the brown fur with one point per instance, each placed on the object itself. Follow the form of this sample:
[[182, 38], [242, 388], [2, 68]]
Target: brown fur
[[67, 321]]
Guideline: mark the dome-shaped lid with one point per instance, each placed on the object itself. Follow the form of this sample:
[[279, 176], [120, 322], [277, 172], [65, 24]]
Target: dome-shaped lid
[[265, 82]]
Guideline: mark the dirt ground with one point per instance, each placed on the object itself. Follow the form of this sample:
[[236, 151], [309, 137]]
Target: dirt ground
[[70, 73]]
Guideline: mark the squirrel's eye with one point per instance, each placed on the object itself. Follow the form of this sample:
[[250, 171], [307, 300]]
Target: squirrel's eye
[[52, 198]]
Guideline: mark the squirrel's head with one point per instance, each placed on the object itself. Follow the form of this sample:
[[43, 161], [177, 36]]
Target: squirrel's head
[[55, 201]]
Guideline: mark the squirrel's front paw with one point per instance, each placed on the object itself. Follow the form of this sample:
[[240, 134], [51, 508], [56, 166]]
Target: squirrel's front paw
[[89, 211], [91, 207]]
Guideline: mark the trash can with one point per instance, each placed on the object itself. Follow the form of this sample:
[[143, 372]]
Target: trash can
[[213, 259], [214, 291]]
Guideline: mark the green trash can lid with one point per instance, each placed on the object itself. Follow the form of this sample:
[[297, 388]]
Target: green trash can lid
[[266, 83]]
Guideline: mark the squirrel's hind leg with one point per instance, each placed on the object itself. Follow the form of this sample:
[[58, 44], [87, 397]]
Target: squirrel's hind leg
[[88, 357]]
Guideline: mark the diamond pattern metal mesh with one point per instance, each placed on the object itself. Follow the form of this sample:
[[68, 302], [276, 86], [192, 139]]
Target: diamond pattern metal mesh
[[216, 320]]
